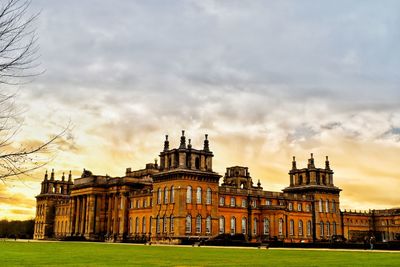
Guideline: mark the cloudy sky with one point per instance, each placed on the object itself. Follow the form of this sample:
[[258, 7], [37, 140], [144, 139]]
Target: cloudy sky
[[265, 79]]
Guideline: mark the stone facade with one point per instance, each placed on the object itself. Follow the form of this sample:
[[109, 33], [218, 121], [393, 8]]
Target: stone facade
[[182, 198]]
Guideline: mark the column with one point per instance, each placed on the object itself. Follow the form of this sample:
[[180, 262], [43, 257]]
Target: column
[[122, 226], [115, 225], [72, 216], [110, 203], [83, 215], [77, 214], [91, 214]]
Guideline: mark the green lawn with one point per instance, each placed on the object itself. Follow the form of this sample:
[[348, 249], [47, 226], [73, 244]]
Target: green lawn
[[97, 254]]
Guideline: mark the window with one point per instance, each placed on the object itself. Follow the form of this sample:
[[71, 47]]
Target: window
[[166, 195], [291, 227], [255, 203], [198, 224], [137, 204], [320, 206], [255, 226], [327, 206], [137, 225], [150, 224], [233, 225], [208, 224], [222, 225], [268, 202], [308, 207], [244, 225], [208, 196], [334, 228], [266, 226], [221, 201], [244, 203], [130, 225], [308, 228], [159, 196], [189, 194], [333, 206], [172, 194], [299, 207], [157, 224], [198, 195], [300, 227], [233, 202], [328, 229], [321, 229], [188, 224], [165, 224], [280, 226], [144, 225], [197, 163], [290, 206], [171, 224]]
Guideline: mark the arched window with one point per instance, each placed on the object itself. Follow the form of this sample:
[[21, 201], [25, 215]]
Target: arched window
[[300, 227], [144, 225], [299, 207], [198, 195], [197, 163], [208, 224], [233, 202], [233, 225], [198, 224], [244, 203], [171, 224], [172, 194], [159, 196], [130, 225], [166, 195], [221, 225], [280, 226], [308, 228], [328, 229], [290, 206], [150, 224], [255, 226], [244, 225], [165, 223], [321, 228], [208, 196], [291, 227], [221, 201], [137, 225], [157, 224], [266, 226], [188, 224], [189, 194], [300, 179], [327, 205], [334, 228], [320, 206]]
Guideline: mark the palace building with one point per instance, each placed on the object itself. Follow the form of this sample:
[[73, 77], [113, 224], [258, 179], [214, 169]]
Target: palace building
[[182, 198]]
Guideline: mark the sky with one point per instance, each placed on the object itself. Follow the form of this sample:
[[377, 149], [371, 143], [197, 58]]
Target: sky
[[266, 80]]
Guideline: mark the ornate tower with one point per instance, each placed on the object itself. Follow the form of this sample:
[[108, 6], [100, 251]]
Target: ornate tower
[[318, 183], [185, 192], [52, 191]]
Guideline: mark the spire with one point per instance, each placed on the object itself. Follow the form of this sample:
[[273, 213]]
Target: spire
[[70, 177], [206, 143], [311, 161], [46, 176], [183, 140], [63, 177], [327, 164], [294, 167], [155, 163], [190, 145], [166, 143], [52, 175]]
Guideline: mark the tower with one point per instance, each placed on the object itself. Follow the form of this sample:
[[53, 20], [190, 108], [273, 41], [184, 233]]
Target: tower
[[318, 183], [52, 191], [185, 192]]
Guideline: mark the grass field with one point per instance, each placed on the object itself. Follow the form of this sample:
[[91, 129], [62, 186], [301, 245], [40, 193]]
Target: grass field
[[101, 254]]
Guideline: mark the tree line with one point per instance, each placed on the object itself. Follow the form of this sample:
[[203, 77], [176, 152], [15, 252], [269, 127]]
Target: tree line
[[17, 229]]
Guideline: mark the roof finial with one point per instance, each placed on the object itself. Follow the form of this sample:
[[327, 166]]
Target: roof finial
[[294, 167], [259, 183], [327, 163], [206, 144], [166, 143], [183, 140], [45, 176], [63, 177], [189, 145], [311, 161], [70, 176], [52, 175]]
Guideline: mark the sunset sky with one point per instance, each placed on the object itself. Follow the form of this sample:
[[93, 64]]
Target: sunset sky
[[267, 80]]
